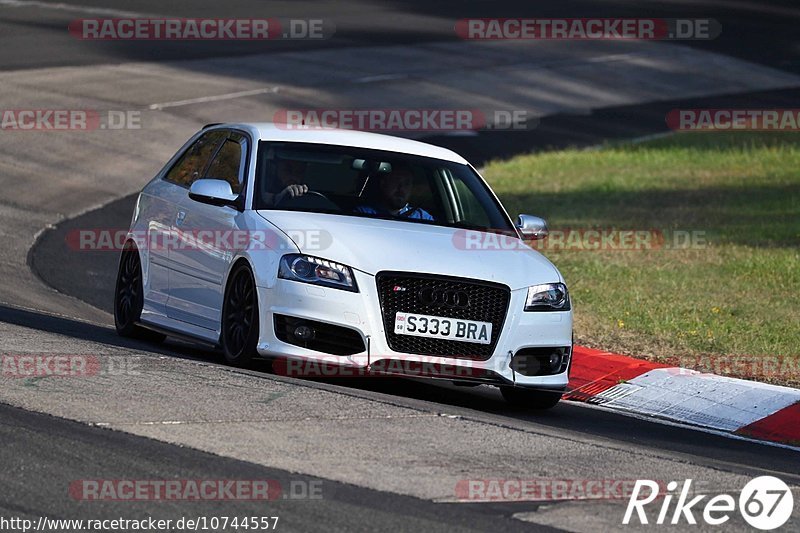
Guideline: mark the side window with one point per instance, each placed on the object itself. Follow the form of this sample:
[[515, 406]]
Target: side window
[[471, 209], [227, 165], [194, 160]]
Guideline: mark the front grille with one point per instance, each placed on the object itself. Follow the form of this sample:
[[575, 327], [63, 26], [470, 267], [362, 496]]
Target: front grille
[[487, 302]]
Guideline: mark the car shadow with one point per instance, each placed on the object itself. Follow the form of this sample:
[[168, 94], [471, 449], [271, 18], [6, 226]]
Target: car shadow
[[488, 399], [107, 335], [572, 418]]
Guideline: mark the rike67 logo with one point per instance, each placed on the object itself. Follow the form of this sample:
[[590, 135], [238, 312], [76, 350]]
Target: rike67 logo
[[766, 503]]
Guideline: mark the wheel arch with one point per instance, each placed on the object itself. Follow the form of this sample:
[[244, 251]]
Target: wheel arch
[[144, 262], [240, 260]]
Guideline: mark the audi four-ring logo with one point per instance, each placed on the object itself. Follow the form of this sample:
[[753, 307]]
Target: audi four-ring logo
[[450, 298]]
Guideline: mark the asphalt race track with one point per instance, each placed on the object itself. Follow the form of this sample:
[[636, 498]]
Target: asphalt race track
[[388, 454], [117, 455], [762, 32]]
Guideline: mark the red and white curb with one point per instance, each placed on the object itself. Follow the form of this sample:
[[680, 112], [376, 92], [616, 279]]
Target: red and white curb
[[736, 406]]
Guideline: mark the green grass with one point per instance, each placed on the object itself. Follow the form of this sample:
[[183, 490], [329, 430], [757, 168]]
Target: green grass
[[737, 295]]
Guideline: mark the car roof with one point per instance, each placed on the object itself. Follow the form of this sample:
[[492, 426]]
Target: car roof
[[267, 131]]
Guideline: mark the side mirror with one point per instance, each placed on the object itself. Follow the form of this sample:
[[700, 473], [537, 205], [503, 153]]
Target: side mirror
[[531, 227], [213, 192]]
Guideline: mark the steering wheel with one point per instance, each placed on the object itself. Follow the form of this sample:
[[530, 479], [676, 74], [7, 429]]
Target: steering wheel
[[308, 192]]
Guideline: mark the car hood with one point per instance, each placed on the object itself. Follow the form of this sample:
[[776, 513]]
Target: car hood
[[372, 245]]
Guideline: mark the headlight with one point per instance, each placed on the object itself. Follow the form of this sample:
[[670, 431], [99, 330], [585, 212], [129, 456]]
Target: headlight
[[318, 271], [548, 297]]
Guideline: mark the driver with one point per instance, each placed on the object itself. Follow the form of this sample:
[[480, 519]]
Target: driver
[[290, 173], [395, 190]]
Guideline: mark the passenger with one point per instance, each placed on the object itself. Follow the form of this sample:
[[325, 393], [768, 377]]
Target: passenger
[[395, 191]]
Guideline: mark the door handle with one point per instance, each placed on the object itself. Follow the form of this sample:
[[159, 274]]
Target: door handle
[[180, 218]]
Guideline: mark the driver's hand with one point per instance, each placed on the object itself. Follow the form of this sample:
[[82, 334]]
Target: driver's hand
[[292, 191]]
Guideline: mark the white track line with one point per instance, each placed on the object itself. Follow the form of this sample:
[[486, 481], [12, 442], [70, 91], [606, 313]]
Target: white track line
[[202, 99], [381, 77], [89, 10]]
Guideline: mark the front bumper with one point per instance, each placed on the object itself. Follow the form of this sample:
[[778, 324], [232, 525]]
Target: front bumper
[[361, 312]]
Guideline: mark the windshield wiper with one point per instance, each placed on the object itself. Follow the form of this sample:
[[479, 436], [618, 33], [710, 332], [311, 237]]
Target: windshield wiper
[[469, 225]]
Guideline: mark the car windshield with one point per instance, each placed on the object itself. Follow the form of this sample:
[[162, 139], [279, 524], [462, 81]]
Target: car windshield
[[360, 182]]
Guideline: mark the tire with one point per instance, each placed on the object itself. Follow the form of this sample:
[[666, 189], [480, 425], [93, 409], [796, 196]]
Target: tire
[[129, 298], [530, 398], [239, 335]]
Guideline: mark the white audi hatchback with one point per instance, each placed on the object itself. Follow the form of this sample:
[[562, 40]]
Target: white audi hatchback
[[371, 254]]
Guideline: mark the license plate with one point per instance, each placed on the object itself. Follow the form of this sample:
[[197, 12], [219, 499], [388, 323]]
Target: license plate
[[439, 327]]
